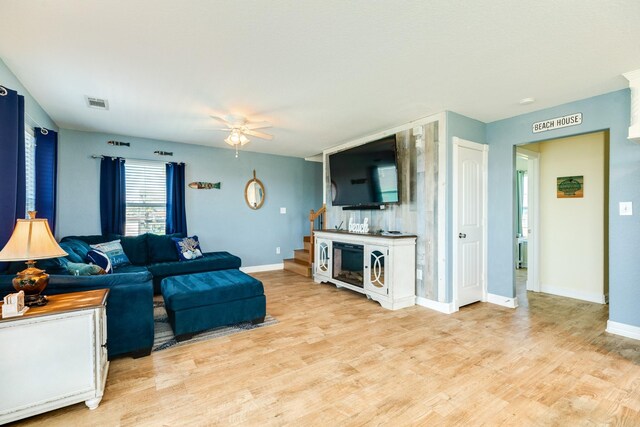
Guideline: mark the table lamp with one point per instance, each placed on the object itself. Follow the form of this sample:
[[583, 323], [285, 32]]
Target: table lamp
[[31, 240]]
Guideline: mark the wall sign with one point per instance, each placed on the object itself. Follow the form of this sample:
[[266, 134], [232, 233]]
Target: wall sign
[[354, 227], [570, 187], [557, 123]]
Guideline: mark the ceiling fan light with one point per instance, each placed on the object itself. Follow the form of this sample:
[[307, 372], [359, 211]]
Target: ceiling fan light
[[243, 139], [229, 141]]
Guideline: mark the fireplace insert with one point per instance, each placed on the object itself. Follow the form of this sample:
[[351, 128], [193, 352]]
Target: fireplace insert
[[348, 263]]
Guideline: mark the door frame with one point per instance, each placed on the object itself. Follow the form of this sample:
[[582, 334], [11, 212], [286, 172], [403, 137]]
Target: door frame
[[484, 148], [533, 239]]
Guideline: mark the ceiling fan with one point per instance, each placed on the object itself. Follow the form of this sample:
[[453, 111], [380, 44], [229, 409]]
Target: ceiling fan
[[239, 127]]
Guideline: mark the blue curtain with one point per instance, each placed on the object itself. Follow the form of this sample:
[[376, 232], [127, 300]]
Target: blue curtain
[[12, 167], [46, 175], [113, 201], [520, 200], [176, 211]]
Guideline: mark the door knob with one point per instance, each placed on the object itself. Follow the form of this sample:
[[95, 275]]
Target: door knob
[[462, 235]]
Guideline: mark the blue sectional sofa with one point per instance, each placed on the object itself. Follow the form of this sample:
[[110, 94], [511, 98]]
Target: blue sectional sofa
[[130, 302]]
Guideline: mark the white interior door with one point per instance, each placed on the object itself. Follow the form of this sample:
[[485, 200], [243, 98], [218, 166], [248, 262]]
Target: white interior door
[[469, 210]]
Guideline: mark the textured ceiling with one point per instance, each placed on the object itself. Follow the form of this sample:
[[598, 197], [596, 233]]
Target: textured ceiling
[[323, 72]]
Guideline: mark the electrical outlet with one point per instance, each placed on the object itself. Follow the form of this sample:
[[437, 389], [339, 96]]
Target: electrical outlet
[[419, 274], [278, 250], [283, 210]]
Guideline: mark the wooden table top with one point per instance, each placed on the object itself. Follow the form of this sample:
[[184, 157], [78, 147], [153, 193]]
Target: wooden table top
[[63, 303]]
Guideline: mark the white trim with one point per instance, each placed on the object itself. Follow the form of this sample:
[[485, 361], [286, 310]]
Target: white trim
[[484, 148], [485, 223], [533, 237], [573, 293], [264, 267], [454, 223], [623, 329], [503, 301], [317, 158], [442, 307]]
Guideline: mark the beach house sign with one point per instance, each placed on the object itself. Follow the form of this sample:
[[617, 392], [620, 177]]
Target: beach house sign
[[557, 123]]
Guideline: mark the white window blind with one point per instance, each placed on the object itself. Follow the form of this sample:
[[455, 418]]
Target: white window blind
[[146, 197], [30, 169]]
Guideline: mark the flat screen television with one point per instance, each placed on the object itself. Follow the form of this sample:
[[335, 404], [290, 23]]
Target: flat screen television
[[366, 175]]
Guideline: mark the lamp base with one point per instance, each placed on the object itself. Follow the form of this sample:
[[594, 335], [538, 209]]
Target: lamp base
[[32, 281]]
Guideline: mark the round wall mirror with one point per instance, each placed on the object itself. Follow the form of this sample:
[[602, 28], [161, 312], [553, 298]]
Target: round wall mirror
[[254, 193]]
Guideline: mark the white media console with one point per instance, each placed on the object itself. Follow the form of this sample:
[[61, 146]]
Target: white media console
[[383, 267]]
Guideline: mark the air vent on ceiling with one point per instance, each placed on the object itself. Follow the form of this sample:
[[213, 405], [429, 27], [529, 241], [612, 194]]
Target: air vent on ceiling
[[101, 104]]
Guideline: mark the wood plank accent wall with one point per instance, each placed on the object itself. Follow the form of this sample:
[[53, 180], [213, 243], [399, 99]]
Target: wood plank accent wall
[[417, 212]]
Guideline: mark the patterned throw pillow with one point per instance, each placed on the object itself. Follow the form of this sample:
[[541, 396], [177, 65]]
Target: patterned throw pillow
[[188, 248], [81, 269], [101, 259], [114, 251]]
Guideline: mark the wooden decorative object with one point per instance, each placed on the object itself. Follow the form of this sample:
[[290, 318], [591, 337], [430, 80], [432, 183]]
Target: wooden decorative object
[[200, 185], [570, 187]]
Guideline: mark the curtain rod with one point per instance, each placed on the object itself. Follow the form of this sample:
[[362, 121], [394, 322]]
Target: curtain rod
[[100, 156], [44, 130]]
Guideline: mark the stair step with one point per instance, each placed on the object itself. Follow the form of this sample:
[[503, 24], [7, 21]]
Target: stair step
[[301, 254], [297, 266], [307, 238], [307, 246]]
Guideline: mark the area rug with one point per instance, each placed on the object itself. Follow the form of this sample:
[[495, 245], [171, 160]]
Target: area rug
[[164, 338]]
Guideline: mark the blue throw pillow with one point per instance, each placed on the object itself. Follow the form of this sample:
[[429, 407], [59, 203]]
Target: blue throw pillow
[[188, 248], [114, 251], [101, 259]]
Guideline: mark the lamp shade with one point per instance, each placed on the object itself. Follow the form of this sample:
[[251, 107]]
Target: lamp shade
[[31, 240]]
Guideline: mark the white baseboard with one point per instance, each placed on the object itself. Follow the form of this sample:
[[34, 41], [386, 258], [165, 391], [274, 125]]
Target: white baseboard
[[442, 307], [573, 293], [623, 329], [503, 301], [265, 267]]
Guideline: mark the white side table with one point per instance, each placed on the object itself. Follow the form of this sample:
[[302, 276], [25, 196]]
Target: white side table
[[54, 355]]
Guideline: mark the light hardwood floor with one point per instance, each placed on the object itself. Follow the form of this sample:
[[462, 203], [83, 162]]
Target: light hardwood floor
[[336, 358]]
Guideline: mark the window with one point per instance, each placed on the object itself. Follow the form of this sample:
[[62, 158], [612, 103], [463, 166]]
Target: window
[[30, 169], [146, 197]]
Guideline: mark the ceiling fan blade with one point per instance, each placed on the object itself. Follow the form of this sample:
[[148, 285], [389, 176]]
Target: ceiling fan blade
[[257, 125], [221, 129], [258, 134], [220, 119]]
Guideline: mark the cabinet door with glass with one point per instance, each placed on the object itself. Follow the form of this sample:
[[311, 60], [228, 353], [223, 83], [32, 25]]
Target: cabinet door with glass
[[375, 274], [322, 261]]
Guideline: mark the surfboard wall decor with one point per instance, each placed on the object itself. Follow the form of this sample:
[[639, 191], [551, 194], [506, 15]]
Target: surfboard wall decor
[[199, 185]]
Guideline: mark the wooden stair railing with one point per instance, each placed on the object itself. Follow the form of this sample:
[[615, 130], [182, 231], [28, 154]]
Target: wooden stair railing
[[313, 216]]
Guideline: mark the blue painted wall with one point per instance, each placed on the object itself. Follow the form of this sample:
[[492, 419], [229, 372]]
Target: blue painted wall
[[220, 218], [610, 111], [31, 107], [472, 130]]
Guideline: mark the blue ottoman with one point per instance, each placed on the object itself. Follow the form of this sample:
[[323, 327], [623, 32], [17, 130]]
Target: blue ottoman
[[197, 302]]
